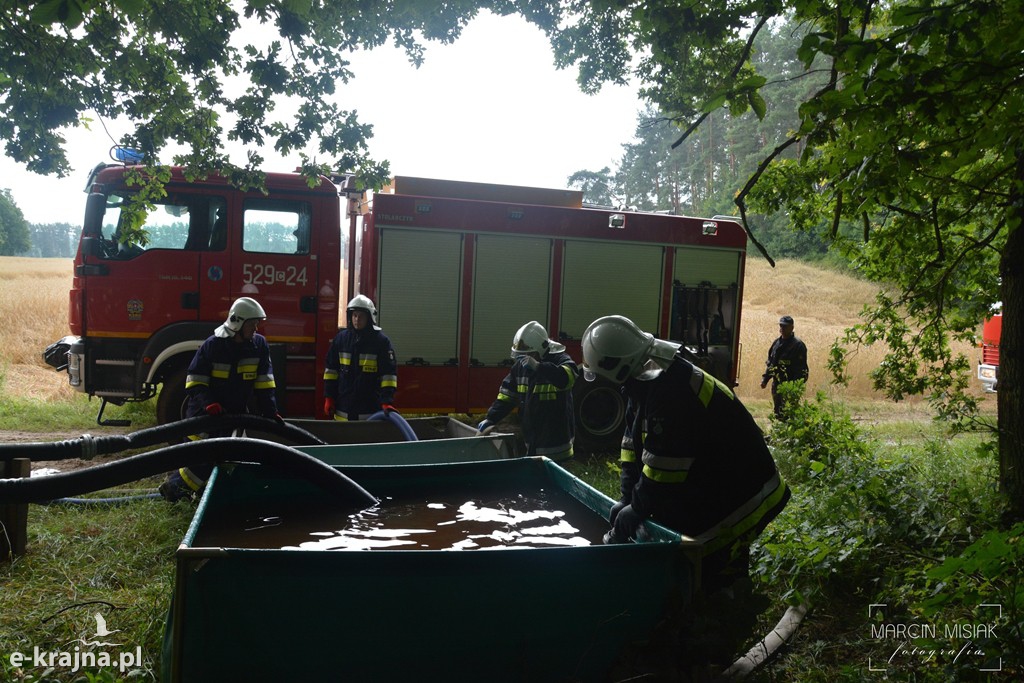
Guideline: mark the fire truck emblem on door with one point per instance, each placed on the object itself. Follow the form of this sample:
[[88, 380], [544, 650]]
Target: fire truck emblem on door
[[134, 309], [215, 273]]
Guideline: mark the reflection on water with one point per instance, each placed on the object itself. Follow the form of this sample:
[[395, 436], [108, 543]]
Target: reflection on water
[[539, 519]]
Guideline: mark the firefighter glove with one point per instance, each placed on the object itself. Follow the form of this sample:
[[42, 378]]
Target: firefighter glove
[[329, 408], [214, 409], [627, 527], [484, 427], [531, 362]]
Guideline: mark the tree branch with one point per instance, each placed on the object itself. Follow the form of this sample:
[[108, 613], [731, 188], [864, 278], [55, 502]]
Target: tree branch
[[837, 214], [940, 246], [978, 190], [740, 200], [693, 126], [744, 56], [865, 21]]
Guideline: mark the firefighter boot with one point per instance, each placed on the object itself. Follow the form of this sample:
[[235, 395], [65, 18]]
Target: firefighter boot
[[174, 488]]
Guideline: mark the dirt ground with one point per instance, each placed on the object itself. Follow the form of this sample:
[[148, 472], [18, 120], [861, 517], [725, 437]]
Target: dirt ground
[[11, 437]]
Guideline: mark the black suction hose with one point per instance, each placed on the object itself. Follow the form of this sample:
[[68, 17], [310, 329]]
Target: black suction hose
[[87, 447], [133, 468]]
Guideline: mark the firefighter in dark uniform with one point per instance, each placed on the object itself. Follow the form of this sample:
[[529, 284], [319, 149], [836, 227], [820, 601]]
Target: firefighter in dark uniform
[[787, 362], [539, 384], [230, 368], [360, 375], [693, 459]]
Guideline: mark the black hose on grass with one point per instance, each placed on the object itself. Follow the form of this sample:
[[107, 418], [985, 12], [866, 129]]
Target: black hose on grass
[[87, 447], [136, 467]]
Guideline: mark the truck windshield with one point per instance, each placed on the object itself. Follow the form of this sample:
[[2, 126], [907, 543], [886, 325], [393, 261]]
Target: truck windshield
[[186, 222]]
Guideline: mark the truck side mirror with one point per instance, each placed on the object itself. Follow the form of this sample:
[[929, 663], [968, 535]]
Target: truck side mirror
[[95, 206], [92, 246]]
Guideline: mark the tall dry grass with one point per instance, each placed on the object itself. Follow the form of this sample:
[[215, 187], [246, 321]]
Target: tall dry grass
[[823, 304], [33, 314], [34, 302]]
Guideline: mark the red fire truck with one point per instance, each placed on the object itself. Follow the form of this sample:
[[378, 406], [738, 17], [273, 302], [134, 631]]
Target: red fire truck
[[455, 268], [988, 367]]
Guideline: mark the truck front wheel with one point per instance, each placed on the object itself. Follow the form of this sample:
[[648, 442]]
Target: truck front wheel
[[600, 414], [170, 404]]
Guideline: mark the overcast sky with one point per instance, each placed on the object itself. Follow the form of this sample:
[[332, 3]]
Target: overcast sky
[[490, 108]]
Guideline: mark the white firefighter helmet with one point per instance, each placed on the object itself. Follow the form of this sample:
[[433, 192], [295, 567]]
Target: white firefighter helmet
[[363, 302], [533, 338], [243, 309], [615, 348]]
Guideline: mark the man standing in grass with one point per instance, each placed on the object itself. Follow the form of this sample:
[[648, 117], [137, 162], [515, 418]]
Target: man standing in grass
[[787, 362]]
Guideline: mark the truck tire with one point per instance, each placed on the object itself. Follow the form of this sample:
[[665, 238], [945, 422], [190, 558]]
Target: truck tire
[[600, 415], [170, 404]]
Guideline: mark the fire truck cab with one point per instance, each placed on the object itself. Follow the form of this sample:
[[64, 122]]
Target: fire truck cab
[[138, 312]]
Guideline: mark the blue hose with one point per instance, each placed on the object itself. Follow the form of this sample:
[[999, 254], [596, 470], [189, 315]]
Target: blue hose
[[396, 419], [104, 501]]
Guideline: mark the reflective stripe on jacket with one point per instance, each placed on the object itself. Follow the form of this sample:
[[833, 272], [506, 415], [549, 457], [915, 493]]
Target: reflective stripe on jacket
[[360, 372], [228, 372], [544, 399], [703, 467]]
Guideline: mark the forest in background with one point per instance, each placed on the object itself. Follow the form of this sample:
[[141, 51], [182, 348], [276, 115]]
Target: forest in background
[[702, 175]]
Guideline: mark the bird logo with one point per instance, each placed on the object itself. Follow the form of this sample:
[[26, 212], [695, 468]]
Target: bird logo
[[101, 627], [101, 632]]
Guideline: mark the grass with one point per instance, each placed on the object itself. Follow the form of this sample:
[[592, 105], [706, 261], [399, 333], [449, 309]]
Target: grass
[[116, 561], [34, 307], [882, 501], [881, 512], [823, 303], [124, 556], [70, 414]]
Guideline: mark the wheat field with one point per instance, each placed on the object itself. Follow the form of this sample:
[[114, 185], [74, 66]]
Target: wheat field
[[823, 304], [34, 303], [33, 314]]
